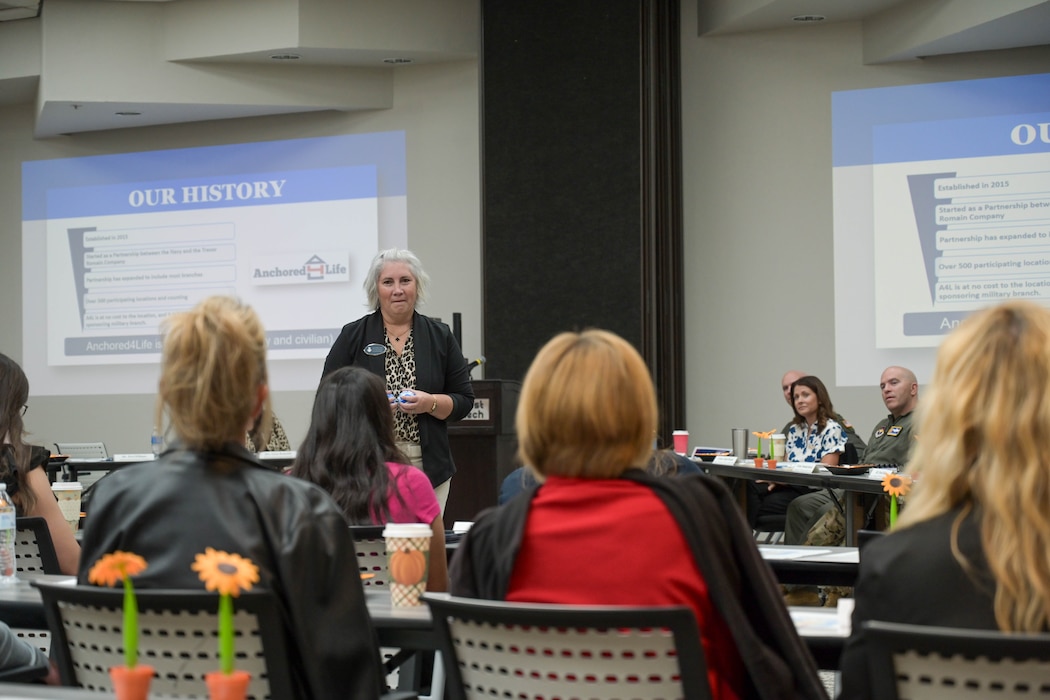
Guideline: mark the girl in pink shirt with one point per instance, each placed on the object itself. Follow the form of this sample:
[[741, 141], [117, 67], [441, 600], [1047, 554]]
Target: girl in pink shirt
[[349, 451]]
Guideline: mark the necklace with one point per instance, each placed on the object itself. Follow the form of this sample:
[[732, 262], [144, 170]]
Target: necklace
[[397, 338]]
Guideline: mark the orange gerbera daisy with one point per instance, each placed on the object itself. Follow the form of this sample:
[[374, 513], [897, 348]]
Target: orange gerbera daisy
[[768, 435], [115, 567], [107, 571], [226, 573], [896, 484]]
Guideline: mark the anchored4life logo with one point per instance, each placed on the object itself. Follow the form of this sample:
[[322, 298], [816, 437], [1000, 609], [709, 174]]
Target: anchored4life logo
[[312, 268]]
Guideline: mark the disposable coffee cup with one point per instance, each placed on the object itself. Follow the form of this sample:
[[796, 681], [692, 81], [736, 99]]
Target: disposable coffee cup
[[779, 447], [681, 441], [68, 495], [408, 561]]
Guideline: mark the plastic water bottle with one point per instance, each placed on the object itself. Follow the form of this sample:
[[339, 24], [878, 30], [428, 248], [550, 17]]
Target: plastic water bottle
[[7, 537], [156, 442]]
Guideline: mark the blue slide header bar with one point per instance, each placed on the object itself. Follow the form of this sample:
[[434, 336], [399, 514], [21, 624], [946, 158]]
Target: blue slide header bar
[[385, 151], [951, 109], [250, 189], [959, 138]]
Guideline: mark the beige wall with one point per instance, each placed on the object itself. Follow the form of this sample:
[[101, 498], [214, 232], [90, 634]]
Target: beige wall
[[756, 116], [757, 184], [436, 105]]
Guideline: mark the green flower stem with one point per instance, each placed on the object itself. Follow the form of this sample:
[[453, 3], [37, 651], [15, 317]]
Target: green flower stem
[[893, 511], [131, 625], [226, 633]]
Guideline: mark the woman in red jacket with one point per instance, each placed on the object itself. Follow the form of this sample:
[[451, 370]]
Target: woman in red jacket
[[598, 530]]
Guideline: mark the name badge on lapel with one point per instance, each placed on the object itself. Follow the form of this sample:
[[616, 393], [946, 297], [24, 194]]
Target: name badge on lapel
[[375, 349]]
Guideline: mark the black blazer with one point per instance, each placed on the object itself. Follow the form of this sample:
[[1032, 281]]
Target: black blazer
[[440, 369], [911, 576]]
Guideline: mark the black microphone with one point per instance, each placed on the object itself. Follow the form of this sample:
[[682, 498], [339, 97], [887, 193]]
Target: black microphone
[[476, 363]]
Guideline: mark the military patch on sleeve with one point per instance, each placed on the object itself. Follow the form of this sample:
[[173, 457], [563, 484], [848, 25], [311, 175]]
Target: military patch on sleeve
[[879, 433], [894, 431]]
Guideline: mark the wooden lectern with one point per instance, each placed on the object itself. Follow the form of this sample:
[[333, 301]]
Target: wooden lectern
[[484, 446]]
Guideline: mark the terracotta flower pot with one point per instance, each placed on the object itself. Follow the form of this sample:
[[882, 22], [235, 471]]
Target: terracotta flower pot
[[771, 464], [758, 462], [223, 686], [131, 683]]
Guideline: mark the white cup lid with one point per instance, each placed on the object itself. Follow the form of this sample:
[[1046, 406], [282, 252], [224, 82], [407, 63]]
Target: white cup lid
[[67, 486], [680, 432], [779, 436], [407, 530]]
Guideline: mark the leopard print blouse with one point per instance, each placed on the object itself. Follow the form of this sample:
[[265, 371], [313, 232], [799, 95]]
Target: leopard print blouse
[[401, 375]]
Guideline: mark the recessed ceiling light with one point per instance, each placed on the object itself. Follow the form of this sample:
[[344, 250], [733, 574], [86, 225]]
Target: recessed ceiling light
[[397, 61], [808, 18], [285, 57], [128, 114]]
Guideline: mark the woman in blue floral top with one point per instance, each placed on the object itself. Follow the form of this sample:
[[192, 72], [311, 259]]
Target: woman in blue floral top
[[814, 435]]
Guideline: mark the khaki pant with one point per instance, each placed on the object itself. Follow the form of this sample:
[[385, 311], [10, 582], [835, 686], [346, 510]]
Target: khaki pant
[[415, 455]]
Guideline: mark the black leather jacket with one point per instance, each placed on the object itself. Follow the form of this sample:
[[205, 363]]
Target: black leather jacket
[[170, 510]]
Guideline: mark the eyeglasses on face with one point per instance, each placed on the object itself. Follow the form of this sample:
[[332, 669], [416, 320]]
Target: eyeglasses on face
[[25, 408]]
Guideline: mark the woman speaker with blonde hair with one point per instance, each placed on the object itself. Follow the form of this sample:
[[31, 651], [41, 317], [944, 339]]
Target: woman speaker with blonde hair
[[971, 547], [599, 530]]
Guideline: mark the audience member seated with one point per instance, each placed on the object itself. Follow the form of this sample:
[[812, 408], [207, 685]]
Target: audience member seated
[[258, 440], [662, 463], [601, 530], [208, 490], [350, 452], [890, 443], [970, 548], [813, 436], [852, 436], [23, 467]]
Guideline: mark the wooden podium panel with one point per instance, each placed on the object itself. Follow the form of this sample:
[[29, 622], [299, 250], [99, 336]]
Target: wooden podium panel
[[484, 446]]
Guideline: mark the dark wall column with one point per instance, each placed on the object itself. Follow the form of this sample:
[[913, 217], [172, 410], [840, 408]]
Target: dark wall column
[[581, 180]]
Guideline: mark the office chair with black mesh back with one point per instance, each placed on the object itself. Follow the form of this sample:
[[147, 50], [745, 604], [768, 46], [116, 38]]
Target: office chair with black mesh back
[[866, 536], [177, 636], [371, 554], [769, 529], [34, 549], [34, 554], [501, 649], [941, 663]]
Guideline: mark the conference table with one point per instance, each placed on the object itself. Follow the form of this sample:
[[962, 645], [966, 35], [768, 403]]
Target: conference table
[[88, 471], [812, 566], [854, 486]]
